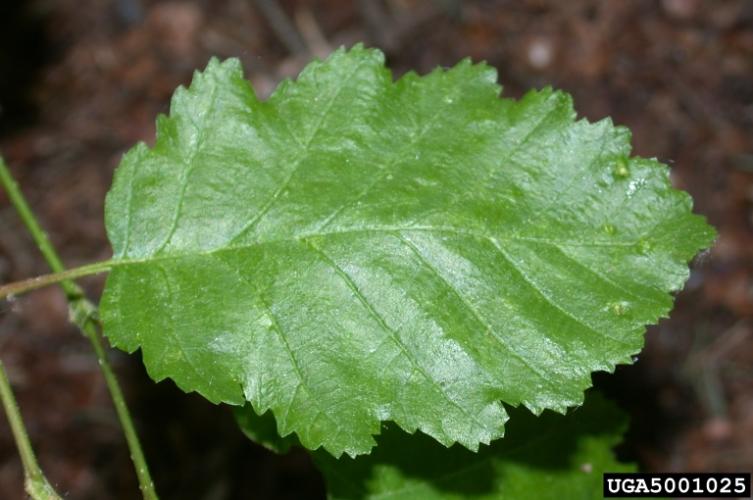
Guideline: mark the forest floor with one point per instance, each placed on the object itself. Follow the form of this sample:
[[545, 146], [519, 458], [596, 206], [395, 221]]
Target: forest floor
[[83, 80]]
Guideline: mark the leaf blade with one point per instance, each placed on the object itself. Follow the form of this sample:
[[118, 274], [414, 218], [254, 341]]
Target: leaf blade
[[551, 456], [355, 250]]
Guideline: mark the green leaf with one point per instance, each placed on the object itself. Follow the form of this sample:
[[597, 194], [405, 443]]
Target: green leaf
[[355, 250], [262, 429], [550, 457]]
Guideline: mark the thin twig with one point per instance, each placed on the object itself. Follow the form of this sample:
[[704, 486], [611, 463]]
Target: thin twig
[[82, 314], [281, 25], [312, 32], [36, 483], [64, 277]]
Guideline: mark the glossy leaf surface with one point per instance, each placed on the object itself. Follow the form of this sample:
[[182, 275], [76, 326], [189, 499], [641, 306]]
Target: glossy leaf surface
[[551, 457], [356, 250]]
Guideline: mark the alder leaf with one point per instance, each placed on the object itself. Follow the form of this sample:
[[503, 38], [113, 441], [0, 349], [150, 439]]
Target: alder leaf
[[262, 430], [549, 457], [356, 250]]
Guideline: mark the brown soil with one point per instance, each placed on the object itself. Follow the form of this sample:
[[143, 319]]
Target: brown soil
[[81, 81]]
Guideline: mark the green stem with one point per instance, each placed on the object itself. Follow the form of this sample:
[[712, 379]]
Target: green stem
[[27, 216], [64, 278], [82, 314], [36, 485]]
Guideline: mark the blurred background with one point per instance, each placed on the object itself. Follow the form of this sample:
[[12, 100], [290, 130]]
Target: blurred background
[[83, 80]]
